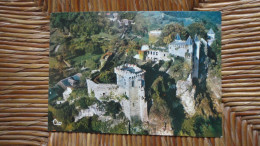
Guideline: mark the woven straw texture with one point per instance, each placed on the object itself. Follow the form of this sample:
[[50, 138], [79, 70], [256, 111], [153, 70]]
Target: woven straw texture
[[24, 42]]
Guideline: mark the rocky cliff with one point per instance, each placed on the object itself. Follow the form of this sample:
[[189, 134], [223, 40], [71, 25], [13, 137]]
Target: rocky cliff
[[186, 92]]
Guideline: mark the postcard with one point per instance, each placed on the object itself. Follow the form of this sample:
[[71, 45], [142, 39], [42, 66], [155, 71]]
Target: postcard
[[145, 73]]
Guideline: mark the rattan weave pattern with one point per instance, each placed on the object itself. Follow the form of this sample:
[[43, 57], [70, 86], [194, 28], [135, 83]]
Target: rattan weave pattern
[[24, 42]]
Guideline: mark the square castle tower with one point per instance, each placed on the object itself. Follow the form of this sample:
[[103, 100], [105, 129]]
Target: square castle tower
[[130, 81]]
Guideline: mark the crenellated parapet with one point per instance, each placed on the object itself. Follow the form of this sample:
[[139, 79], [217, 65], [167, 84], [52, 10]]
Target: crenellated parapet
[[129, 71]]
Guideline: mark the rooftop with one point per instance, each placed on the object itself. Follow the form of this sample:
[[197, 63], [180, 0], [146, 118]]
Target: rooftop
[[211, 31], [155, 32], [177, 37], [189, 41], [181, 43], [145, 47], [68, 82]]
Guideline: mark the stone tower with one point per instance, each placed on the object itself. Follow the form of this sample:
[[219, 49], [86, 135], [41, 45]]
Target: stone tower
[[211, 37], [189, 45], [211, 34], [196, 57], [130, 80]]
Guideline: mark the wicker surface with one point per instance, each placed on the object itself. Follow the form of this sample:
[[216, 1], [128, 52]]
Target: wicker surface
[[24, 41]]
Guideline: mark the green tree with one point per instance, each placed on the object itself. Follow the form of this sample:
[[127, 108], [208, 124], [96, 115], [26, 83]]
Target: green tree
[[170, 31], [140, 27], [63, 21], [65, 113], [107, 77], [82, 103], [83, 125], [197, 28], [127, 15], [112, 108]]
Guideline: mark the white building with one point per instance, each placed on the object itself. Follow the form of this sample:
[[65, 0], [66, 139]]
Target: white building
[[130, 82], [156, 55], [153, 54], [144, 48], [155, 33], [181, 48]]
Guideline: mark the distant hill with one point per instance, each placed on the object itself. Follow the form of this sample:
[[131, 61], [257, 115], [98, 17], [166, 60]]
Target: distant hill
[[213, 17]]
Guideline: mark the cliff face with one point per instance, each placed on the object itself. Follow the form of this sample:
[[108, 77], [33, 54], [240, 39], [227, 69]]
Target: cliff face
[[214, 84], [186, 93], [159, 122]]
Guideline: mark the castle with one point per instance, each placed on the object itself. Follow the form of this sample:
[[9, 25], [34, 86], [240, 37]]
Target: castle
[[130, 83], [188, 49], [181, 48], [130, 78]]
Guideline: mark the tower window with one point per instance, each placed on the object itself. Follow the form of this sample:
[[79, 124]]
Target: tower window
[[133, 104], [133, 83], [156, 53]]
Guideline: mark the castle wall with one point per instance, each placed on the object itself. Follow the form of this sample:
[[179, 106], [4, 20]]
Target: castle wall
[[196, 57], [211, 36], [135, 94], [210, 42], [143, 106], [205, 43], [126, 108], [180, 51], [101, 90]]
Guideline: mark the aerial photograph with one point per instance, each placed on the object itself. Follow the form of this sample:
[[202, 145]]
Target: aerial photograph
[[145, 73]]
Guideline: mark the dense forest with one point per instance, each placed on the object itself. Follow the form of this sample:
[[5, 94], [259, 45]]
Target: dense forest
[[92, 44]]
